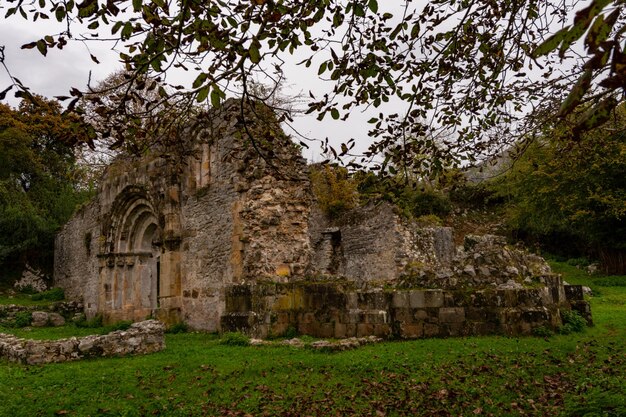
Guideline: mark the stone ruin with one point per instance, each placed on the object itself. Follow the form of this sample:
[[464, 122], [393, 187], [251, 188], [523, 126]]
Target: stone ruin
[[141, 338], [226, 235]]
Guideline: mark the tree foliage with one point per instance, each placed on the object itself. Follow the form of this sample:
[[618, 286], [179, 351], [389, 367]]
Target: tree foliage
[[471, 66], [37, 175], [571, 195]]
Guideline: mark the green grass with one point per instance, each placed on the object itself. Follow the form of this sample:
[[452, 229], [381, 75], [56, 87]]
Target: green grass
[[22, 299], [578, 374]]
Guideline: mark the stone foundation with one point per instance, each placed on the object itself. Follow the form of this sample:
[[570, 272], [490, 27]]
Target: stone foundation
[[141, 338], [333, 310]]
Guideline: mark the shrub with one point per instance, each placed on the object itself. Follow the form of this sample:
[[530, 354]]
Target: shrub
[[542, 331], [290, 333], [429, 202], [54, 294], [334, 190], [572, 322], [235, 339], [22, 319], [429, 220], [28, 289], [91, 323], [178, 328], [120, 325]]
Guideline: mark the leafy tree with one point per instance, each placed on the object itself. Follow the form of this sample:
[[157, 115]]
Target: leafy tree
[[37, 175], [571, 195], [449, 64]]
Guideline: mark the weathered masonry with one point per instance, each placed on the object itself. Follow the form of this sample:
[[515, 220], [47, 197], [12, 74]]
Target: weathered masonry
[[223, 237]]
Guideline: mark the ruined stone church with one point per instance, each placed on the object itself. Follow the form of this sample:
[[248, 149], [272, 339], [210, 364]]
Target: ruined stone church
[[226, 235]]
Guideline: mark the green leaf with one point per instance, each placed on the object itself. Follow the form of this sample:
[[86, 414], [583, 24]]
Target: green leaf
[[199, 80], [127, 31], [373, 6], [216, 96], [203, 93], [550, 44], [137, 5], [577, 92], [334, 113], [42, 47], [358, 10], [59, 13], [255, 56], [323, 67]]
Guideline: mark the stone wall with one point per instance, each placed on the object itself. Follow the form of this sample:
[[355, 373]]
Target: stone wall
[[167, 232], [141, 338], [76, 266], [337, 309], [373, 245]]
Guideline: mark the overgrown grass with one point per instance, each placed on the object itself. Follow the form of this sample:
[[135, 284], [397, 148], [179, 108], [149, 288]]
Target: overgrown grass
[[23, 299], [573, 375]]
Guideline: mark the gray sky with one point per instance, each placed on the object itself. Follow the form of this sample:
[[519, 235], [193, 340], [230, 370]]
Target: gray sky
[[60, 70]]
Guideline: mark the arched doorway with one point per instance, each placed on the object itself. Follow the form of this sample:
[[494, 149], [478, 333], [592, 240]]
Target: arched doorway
[[131, 281]]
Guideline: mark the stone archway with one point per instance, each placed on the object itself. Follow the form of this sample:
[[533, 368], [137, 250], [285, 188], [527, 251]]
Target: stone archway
[[130, 276]]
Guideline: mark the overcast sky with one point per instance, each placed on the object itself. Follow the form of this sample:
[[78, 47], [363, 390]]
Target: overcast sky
[[60, 70]]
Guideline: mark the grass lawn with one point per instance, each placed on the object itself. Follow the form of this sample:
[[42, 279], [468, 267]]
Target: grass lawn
[[577, 374]]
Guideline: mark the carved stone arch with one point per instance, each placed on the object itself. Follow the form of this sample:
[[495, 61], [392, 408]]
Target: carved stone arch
[[130, 276], [133, 222]]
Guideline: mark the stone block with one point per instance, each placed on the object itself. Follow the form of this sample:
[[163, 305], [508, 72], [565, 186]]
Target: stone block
[[374, 316], [574, 292], [420, 315], [326, 330], [433, 298], [39, 319], [400, 300], [411, 331], [351, 317], [382, 330], [431, 330], [416, 299], [352, 301], [404, 315], [364, 329], [351, 330], [56, 320], [453, 329], [340, 331], [452, 315]]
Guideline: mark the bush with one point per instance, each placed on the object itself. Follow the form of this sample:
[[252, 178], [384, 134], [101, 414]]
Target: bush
[[120, 325], [178, 328], [235, 339], [475, 195], [22, 319], [429, 220], [90, 324], [334, 190], [54, 294], [572, 322], [428, 202], [542, 331]]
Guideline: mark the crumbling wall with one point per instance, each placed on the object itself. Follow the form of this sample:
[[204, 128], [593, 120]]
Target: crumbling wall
[[334, 309], [373, 245], [75, 257], [141, 338]]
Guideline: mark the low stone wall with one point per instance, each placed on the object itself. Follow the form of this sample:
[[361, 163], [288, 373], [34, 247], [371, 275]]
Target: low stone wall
[[141, 338], [332, 310]]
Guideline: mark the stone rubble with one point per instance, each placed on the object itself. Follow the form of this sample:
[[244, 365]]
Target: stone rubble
[[32, 279], [141, 338]]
